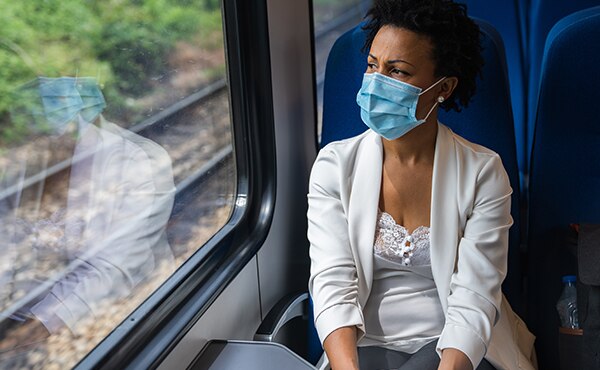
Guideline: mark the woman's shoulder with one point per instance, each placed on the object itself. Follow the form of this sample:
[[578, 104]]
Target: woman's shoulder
[[469, 147], [477, 160], [343, 156], [348, 143], [346, 152]]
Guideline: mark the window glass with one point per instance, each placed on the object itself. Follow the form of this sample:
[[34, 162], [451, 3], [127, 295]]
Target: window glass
[[115, 163], [331, 19]]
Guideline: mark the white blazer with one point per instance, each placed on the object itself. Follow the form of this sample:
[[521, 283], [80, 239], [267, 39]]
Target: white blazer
[[470, 218], [119, 200]]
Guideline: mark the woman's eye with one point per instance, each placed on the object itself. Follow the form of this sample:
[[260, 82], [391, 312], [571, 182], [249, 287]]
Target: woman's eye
[[371, 66], [399, 72]]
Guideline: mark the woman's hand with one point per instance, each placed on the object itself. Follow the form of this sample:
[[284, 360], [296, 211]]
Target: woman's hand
[[17, 334], [454, 359], [340, 347]]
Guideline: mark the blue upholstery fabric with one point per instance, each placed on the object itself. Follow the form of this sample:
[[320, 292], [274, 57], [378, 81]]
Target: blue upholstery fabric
[[524, 9], [543, 14], [565, 167], [345, 67], [487, 121], [314, 351], [509, 18]]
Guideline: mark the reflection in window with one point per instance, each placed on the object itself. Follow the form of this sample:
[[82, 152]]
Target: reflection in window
[[115, 163]]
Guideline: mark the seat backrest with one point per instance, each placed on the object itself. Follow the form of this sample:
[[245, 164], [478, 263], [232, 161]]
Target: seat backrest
[[346, 64], [509, 17], [543, 14], [565, 168], [487, 120]]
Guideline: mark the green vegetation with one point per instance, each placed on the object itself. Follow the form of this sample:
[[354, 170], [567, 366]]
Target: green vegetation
[[125, 44]]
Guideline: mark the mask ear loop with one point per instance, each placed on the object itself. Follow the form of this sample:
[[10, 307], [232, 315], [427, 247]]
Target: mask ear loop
[[431, 87], [431, 110], [440, 99]]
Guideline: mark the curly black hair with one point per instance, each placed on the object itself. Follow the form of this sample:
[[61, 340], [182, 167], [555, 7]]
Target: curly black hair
[[456, 39]]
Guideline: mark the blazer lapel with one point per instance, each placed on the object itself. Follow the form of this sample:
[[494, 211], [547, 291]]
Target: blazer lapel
[[362, 209], [444, 220]]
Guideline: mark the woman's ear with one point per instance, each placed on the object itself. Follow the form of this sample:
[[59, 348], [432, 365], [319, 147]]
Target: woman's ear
[[447, 87]]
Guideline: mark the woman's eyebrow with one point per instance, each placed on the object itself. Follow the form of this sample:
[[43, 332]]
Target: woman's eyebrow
[[393, 61], [399, 61]]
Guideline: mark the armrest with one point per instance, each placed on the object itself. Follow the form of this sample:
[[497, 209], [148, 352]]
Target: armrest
[[287, 308]]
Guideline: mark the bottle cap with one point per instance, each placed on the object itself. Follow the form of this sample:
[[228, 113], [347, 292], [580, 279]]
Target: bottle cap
[[569, 279]]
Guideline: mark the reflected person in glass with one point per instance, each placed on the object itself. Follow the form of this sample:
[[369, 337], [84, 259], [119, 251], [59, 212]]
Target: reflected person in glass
[[74, 247]]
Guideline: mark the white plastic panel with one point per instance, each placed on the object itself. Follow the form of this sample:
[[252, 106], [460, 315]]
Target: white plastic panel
[[283, 259], [235, 314]]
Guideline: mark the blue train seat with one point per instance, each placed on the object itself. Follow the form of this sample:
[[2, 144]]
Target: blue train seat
[[487, 120], [565, 168], [543, 14], [509, 18], [343, 76]]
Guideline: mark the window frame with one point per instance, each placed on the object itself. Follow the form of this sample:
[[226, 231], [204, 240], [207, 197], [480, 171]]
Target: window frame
[[148, 334]]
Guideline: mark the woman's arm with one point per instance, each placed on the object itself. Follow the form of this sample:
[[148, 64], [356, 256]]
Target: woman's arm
[[454, 359], [475, 298], [333, 282], [340, 347]]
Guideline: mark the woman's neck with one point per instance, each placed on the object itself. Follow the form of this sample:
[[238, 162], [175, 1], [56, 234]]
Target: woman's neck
[[416, 146]]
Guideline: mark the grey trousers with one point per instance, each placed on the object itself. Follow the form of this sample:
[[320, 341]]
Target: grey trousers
[[377, 358]]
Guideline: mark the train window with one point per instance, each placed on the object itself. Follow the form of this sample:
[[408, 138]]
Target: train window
[[116, 163], [331, 19]]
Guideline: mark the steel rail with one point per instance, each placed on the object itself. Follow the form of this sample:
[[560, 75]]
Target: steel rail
[[153, 121]]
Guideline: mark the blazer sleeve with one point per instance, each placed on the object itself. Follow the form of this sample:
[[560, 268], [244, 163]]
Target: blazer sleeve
[[333, 283], [481, 264], [122, 242]]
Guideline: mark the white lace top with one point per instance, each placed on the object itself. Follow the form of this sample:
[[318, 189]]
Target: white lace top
[[394, 243], [403, 311]]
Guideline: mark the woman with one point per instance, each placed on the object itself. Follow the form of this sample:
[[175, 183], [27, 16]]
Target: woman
[[408, 222]]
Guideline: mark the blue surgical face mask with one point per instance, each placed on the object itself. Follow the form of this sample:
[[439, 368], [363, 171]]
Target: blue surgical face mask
[[389, 106], [61, 102], [93, 102]]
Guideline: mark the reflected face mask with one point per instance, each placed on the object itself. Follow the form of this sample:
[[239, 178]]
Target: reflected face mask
[[389, 106], [60, 100], [93, 102]]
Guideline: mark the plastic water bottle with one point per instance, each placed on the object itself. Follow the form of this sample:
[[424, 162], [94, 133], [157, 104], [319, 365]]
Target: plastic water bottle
[[567, 303]]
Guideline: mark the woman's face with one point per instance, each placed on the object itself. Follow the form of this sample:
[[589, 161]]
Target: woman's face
[[406, 56]]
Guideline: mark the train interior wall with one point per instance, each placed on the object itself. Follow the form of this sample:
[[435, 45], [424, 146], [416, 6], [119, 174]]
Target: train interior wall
[[282, 264]]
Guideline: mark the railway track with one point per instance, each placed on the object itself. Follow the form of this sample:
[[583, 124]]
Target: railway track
[[196, 132], [157, 126]]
